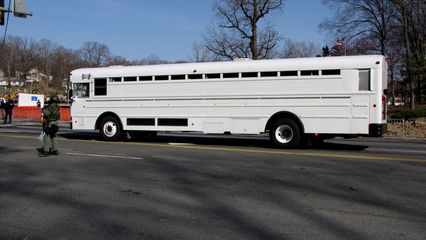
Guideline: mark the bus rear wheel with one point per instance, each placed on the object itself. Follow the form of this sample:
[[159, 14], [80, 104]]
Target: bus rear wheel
[[285, 133], [110, 129]]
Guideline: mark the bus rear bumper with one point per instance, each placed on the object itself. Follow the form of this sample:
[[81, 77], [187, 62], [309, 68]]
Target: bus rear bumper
[[377, 129]]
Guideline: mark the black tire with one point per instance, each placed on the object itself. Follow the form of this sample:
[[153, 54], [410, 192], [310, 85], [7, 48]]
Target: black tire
[[110, 129], [286, 133]]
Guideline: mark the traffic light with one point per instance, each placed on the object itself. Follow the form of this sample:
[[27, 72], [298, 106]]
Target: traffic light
[[1, 12]]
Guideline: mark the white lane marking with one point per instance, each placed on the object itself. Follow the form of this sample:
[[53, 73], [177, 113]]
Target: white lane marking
[[104, 156], [182, 144], [14, 131]]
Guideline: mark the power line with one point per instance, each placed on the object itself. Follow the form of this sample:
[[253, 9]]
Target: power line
[[19, 10]]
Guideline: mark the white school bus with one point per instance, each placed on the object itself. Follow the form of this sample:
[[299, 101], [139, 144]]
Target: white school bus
[[288, 98]]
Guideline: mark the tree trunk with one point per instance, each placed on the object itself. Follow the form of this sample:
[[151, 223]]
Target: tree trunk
[[392, 83], [413, 96], [253, 40], [408, 57]]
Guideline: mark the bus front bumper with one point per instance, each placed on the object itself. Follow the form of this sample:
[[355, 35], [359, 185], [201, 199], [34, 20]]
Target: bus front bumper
[[377, 129]]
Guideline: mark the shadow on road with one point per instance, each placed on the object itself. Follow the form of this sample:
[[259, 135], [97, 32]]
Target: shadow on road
[[217, 140]]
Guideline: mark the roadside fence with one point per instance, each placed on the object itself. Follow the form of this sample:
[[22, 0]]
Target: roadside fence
[[412, 128], [34, 113]]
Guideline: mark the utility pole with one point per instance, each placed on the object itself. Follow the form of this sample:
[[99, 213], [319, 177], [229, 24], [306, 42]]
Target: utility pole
[[17, 7], [1, 12]]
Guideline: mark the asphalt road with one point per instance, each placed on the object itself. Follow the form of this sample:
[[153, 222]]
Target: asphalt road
[[185, 186]]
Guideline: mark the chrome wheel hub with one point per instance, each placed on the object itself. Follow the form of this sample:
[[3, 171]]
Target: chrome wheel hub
[[110, 129], [284, 134]]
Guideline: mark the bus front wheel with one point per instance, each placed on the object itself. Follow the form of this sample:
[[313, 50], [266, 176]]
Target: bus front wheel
[[285, 133], [110, 129]]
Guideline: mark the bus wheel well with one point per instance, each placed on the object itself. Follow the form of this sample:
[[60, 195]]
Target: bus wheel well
[[284, 115], [103, 116]]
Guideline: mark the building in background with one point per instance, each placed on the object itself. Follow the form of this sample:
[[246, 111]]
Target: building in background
[[6, 82]]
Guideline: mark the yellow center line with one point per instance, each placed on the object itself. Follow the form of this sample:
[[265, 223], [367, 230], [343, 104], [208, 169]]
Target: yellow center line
[[273, 152], [326, 155]]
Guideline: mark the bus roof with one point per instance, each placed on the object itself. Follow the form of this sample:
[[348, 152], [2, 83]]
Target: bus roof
[[342, 62]]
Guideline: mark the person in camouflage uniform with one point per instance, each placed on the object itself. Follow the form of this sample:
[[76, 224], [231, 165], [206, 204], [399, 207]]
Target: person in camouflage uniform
[[51, 116]]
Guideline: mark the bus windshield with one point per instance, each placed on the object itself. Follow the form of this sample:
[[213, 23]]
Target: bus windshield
[[81, 90]]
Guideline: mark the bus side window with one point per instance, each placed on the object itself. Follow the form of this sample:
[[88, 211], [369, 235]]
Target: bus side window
[[364, 80], [100, 86]]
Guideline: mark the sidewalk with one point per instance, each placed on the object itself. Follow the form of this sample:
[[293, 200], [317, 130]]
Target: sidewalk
[[25, 122]]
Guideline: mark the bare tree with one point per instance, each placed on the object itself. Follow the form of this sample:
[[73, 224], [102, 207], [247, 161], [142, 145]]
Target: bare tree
[[411, 15], [17, 56], [354, 19], [294, 49], [94, 54], [242, 30], [363, 46], [201, 54], [118, 60], [150, 60], [368, 26], [64, 61], [359, 46], [44, 52], [7, 57]]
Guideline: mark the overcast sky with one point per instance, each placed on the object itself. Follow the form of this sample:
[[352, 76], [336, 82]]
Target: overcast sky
[[136, 29]]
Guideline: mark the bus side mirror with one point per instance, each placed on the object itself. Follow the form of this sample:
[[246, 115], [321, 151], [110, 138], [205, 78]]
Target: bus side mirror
[[385, 92], [70, 96]]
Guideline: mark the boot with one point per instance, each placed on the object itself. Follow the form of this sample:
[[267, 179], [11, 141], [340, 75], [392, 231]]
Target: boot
[[43, 154], [54, 152]]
